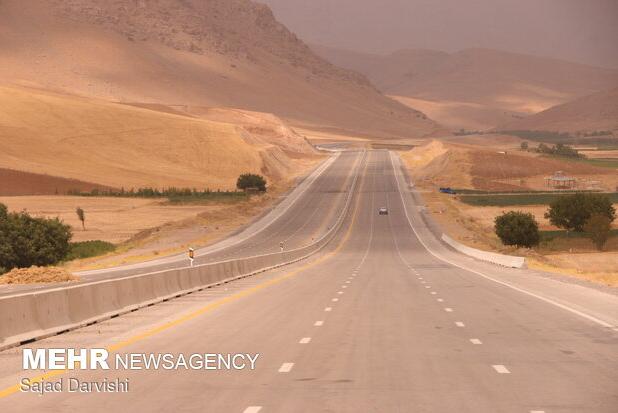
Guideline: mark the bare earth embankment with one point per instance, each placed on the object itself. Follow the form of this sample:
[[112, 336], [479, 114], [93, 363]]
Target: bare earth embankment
[[467, 166]]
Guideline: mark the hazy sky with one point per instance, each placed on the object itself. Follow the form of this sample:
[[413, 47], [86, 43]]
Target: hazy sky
[[578, 30]]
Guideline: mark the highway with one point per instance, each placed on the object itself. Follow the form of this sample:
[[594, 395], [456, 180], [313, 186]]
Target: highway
[[310, 216], [385, 319]]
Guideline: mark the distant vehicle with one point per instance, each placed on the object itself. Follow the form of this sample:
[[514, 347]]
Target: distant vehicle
[[448, 191], [383, 211]]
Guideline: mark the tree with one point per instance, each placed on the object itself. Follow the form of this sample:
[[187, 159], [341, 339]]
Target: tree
[[246, 181], [572, 211], [82, 217], [517, 228], [599, 227], [524, 146], [27, 241]]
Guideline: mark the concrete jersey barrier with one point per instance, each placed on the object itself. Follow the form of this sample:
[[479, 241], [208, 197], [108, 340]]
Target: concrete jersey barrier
[[40, 314], [500, 259]]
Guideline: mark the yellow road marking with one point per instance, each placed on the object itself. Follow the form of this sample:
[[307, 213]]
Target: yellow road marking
[[149, 333]]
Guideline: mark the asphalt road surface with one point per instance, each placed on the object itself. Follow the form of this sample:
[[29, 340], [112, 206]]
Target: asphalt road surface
[[380, 321]]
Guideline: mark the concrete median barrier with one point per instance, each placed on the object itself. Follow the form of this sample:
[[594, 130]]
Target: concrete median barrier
[[500, 259], [35, 315]]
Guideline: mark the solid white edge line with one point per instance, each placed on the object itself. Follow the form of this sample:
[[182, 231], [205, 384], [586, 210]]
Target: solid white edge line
[[521, 290]]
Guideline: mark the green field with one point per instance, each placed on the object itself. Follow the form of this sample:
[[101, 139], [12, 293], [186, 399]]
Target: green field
[[602, 162], [87, 249], [518, 199]]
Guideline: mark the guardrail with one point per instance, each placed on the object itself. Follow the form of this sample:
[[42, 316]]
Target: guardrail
[[500, 259], [36, 315]]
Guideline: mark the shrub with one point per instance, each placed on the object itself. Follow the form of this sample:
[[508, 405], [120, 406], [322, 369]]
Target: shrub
[[524, 146], [246, 181], [517, 228], [27, 241], [572, 211], [81, 215], [599, 227]]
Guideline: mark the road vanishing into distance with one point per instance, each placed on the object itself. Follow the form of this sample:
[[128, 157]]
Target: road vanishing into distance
[[386, 318]]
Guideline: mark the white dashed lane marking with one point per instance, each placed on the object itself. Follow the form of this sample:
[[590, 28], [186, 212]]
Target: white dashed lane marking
[[433, 293], [501, 369], [440, 300], [335, 299], [328, 309], [459, 324], [252, 409], [475, 341], [318, 323], [286, 367], [304, 340], [448, 310], [339, 292]]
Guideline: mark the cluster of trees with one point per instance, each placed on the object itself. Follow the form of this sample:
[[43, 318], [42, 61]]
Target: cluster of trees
[[559, 149], [579, 212], [244, 182], [27, 241], [148, 192], [249, 181]]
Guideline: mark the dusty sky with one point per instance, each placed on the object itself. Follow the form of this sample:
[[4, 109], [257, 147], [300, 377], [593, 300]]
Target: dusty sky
[[577, 30]]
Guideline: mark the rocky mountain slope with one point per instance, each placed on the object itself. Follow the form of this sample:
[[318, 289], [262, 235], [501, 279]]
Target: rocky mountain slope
[[230, 53]]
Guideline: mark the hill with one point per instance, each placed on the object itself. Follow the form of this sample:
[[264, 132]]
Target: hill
[[475, 88], [221, 53], [103, 143], [592, 113]]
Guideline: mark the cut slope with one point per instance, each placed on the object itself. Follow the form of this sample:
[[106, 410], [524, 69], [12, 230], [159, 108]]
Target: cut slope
[[493, 84], [596, 112], [124, 146], [13, 183], [230, 53]]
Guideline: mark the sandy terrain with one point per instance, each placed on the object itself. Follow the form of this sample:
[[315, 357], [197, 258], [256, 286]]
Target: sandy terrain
[[219, 53], [35, 275], [108, 219], [596, 112], [475, 88]]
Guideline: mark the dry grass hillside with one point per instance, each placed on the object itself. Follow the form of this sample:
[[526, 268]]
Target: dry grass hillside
[[474, 166], [215, 53], [475, 88], [596, 112], [125, 146]]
